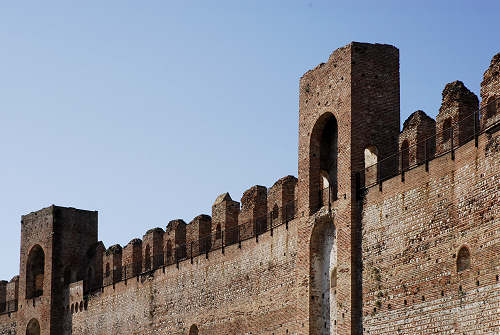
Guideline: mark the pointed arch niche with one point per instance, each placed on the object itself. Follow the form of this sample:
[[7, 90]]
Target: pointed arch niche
[[323, 279], [323, 161]]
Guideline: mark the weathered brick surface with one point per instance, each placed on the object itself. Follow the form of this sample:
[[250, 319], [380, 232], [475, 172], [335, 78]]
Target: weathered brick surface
[[412, 232], [364, 241], [243, 291]]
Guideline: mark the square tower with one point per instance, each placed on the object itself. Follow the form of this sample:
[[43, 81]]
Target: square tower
[[348, 106], [54, 246]]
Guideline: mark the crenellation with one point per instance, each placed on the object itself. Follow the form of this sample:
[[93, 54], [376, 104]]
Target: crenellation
[[457, 117], [253, 214], [132, 257], [490, 94], [175, 241], [198, 235], [112, 265], [225, 212], [417, 141], [281, 200], [152, 249]]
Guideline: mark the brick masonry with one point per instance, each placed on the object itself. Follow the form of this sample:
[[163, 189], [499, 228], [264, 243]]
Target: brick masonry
[[383, 232]]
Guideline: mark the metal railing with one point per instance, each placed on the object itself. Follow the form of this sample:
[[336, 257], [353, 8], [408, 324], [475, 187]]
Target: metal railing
[[443, 142], [8, 307], [218, 240]]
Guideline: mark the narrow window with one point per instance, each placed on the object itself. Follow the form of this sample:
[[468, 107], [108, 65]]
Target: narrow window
[[169, 251], [491, 109], [446, 130], [405, 155], [108, 271], [463, 259], [218, 232], [147, 258], [275, 212]]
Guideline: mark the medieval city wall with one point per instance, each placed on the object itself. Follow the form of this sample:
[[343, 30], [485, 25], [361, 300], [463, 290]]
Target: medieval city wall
[[412, 233], [243, 291]]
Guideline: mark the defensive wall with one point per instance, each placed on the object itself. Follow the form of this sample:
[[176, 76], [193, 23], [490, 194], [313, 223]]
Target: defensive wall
[[384, 232]]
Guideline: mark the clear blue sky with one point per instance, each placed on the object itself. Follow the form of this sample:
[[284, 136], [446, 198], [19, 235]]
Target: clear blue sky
[[147, 110]]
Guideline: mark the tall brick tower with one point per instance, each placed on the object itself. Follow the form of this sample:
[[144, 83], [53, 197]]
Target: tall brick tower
[[54, 246], [348, 106]]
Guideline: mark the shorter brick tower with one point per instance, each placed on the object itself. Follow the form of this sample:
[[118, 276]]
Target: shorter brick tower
[[54, 246]]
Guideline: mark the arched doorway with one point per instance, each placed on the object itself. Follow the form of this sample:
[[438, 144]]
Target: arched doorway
[[35, 268], [33, 327], [193, 330], [323, 157], [323, 279]]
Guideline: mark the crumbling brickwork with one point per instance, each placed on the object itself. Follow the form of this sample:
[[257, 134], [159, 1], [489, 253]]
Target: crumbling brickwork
[[383, 232]]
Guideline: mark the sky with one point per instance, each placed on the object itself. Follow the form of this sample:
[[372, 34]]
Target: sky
[[147, 110]]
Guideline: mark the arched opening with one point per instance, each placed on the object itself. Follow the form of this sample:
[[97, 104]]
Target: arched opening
[[371, 165], [463, 259], [108, 270], [491, 108], [323, 161], [323, 279], [147, 258], [35, 268], [446, 135], [405, 155], [169, 251], [193, 330], [33, 327]]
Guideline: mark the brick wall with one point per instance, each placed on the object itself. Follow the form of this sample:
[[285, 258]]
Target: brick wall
[[243, 291], [412, 232]]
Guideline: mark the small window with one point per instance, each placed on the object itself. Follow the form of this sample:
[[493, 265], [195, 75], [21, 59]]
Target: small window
[[463, 259], [275, 212], [193, 330], [333, 278], [405, 155], [147, 258], [108, 271], [491, 108], [447, 130], [218, 232], [169, 250]]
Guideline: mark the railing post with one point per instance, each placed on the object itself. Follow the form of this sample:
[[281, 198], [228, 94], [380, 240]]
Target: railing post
[[451, 144], [329, 198], [191, 252], [379, 176], [286, 216], [426, 156], [256, 225], [222, 241], [476, 140], [401, 163], [271, 223], [239, 237]]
